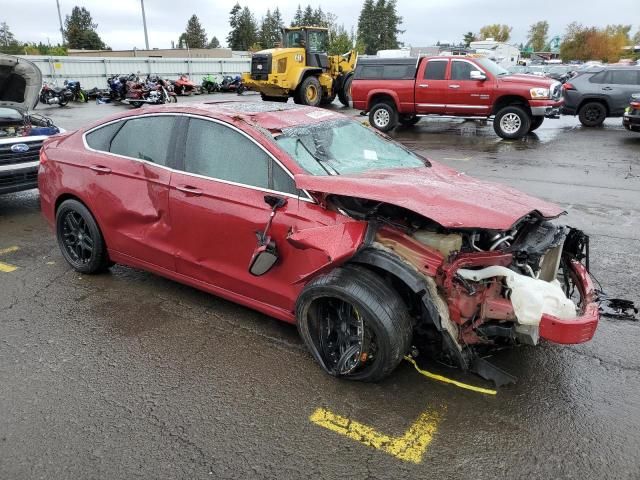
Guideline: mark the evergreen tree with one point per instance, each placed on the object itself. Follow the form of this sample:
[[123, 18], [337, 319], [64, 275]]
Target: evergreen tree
[[297, 18], [468, 38], [8, 43], [234, 17], [80, 31], [214, 43], [390, 21], [537, 38], [247, 31], [367, 30], [270, 29], [308, 18], [194, 36]]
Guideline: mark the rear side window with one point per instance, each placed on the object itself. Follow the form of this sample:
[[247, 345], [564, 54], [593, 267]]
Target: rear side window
[[624, 77], [371, 72], [387, 72], [146, 138], [461, 70], [435, 70], [100, 139]]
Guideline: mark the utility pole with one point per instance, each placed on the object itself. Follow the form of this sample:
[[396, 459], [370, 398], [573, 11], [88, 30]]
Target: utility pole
[[144, 23], [60, 20]]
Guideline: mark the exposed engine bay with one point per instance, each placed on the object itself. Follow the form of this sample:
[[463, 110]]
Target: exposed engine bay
[[489, 288], [13, 124]]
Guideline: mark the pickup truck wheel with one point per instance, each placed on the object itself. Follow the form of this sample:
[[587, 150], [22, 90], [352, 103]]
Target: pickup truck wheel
[[310, 92], [535, 123], [592, 114], [383, 116], [355, 325], [408, 120], [345, 92], [512, 122], [80, 239]]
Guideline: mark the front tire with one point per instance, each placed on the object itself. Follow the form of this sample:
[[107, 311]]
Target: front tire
[[309, 92], [383, 116], [512, 122], [80, 239], [592, 114], [354, 324]]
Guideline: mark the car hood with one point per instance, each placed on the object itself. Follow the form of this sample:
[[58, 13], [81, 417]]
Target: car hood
[[528, 79], [20, 83], [448, 197]]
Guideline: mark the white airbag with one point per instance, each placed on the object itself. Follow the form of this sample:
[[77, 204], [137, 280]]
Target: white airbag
[[530, 297]]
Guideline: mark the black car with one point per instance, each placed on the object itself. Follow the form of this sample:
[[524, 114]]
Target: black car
[[631, 118], [21, 132], [600, 92]]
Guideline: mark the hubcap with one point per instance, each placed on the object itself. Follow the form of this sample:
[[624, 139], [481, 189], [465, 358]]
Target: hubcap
[[312, 93], [76, 237], [510, 123], [381, 118]]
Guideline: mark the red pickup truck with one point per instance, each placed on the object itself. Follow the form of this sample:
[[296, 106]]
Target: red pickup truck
[[402, 90]]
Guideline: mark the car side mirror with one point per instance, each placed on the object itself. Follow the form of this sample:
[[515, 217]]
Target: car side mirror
[[275, 202], [477, 75], [263, 259]]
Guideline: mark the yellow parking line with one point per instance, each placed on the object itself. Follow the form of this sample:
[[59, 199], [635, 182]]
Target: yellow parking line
[[410, 447], [6, 268], [4, 251]]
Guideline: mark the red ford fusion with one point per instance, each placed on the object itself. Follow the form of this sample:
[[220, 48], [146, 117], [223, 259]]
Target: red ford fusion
[[313, 218]]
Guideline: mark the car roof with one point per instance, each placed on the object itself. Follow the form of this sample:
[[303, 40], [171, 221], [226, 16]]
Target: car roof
[[271, 116]]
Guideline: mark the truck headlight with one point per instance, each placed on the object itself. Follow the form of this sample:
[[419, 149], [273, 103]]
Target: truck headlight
[[539, 93]]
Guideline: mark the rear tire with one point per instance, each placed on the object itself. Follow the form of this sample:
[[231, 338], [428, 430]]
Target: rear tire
[[383, 117], [80, 239], [592, 114], [354, 324], [345, 92], [408, 120], [328, 100], [512, 122], [309, 92]]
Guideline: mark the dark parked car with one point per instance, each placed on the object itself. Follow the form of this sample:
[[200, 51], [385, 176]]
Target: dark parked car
[[600, 92], [21, 132], [631, 118], [312, 218]]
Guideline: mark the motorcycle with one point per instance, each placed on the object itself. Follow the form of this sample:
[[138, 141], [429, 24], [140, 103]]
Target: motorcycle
[[50, 95], [153, 91], [118, 85], [232, 84], [184, 86], [210, 84], [79, 95]]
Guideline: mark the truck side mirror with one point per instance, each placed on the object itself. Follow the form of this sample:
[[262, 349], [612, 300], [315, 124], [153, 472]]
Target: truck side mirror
[[477, 75]]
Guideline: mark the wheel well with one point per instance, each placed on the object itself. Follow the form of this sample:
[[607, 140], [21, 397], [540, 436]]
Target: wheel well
[[596, 100], [381, 98], [509, 100], [307, 73], [68, 196]]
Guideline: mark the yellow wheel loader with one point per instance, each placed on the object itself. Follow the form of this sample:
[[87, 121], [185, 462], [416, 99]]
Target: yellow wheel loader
[[302, 69]]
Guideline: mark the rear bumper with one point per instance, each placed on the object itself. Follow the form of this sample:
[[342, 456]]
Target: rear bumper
[[582, 328]]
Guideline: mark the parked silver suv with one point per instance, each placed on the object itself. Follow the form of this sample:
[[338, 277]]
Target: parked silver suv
[[21, 132], [600, 92]]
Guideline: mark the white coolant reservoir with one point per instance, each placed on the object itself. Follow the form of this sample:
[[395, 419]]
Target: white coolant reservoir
[[445, 244], [530, 297]]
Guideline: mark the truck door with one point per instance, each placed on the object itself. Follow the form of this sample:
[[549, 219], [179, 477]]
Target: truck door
[[431, 86], [467, 96]]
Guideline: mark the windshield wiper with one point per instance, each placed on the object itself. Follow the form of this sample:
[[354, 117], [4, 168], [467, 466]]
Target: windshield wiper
[[326, 167]]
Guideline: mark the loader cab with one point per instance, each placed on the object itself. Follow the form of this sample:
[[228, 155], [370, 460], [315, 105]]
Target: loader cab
[[314, 40]]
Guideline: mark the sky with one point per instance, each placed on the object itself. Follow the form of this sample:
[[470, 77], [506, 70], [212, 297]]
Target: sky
[[425, 22]]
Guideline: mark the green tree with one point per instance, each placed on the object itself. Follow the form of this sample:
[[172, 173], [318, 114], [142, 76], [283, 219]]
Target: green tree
[[340, 40], [378, 26], [592, 43], [537, 37], [308, 17], [234, 18], [270, 28], [468, 38], [246, 31], [636, 38], [297, 18], [80, 31], [367, 34], [500, 33], [214, 43], [194, 36], [390, 22]]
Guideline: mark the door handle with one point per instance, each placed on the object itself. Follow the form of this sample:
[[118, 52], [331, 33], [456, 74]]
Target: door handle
[[607, 88], [454, 86], [189, 190], [423, 85], [100, 169]]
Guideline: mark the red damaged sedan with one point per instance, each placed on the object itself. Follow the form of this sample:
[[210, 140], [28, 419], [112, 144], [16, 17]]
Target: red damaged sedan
[[313, 218]]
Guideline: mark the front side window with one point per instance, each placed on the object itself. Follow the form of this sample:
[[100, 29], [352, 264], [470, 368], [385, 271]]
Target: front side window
[[219, 152], [461, 70], [344, 147], [146, 138], [435, 70]]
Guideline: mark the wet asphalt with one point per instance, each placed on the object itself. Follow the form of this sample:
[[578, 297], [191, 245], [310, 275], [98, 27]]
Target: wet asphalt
[[128, 375]]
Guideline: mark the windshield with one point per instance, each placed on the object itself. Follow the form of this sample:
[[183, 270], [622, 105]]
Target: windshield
[[344, 147], [491, 66]]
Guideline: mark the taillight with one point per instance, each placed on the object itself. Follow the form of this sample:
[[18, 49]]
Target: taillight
[[635, 104], [568, 86], [43, 157]]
